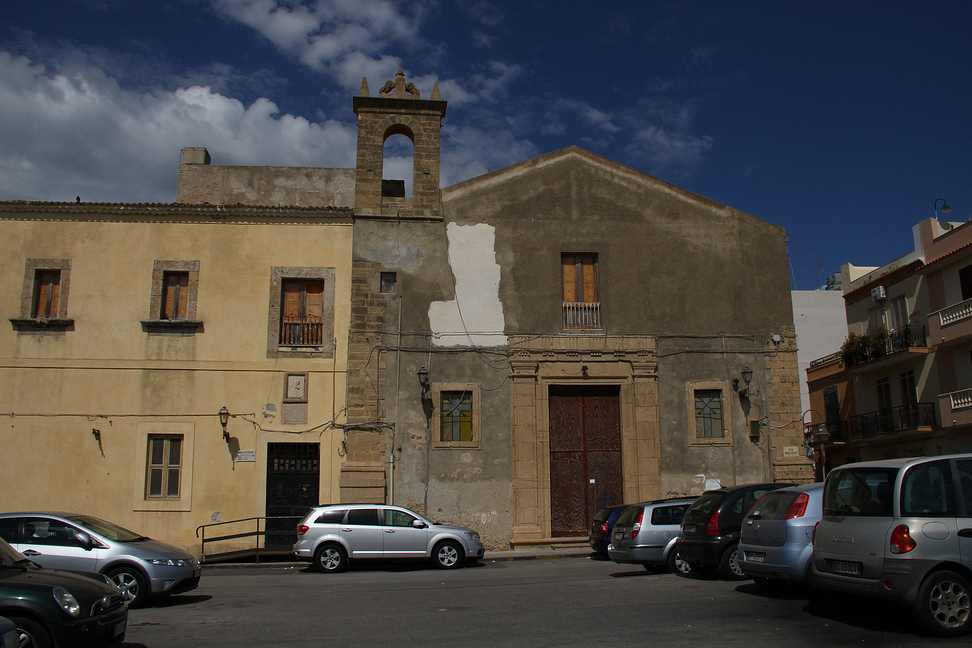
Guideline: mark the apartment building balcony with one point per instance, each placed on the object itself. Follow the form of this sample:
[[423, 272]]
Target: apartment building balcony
[[952, 324], [908, 418], [956, 408], [879, 349]]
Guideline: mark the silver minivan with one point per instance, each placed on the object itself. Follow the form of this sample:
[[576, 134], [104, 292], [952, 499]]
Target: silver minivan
[[139, 566], [901, 530]]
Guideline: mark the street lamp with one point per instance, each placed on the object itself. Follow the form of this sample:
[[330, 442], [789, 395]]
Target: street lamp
[[822, 435], [945, 207], [224, 416]]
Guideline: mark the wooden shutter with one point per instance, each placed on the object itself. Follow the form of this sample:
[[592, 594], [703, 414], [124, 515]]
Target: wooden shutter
[[291, 299], [175, 301], [589, 272], [568, 262], [315, 300], [47, 290]]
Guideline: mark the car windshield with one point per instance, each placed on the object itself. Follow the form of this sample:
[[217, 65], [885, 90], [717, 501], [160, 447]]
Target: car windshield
[[106, 529], [10, 557], [708, 503], [860, 491], [773, 506], [628, 516]]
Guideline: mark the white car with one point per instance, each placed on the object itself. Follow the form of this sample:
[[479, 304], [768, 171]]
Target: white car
[[330, 536]]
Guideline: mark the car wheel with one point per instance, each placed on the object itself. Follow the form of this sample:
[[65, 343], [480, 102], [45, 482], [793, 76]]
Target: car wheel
[[131, 582], [31, 634], [675, 563], [447, 555], [331, 558], [729, 565], [944, 604]]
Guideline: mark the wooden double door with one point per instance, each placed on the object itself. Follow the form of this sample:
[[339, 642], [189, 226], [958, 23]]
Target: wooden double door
[[585, 455]]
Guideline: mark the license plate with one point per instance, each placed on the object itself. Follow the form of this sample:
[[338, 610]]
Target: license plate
[[618, 535], [689, 528], [120, 628], [755, 556], [845, 567], [196, 573]]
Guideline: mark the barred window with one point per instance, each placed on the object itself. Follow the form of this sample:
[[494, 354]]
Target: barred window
[[708, 414]]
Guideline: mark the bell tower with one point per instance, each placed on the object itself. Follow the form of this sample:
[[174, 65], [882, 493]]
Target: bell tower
[[398, 110]]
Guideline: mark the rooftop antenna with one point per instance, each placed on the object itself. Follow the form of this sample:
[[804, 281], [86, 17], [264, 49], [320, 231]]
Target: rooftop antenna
[[819, 265]]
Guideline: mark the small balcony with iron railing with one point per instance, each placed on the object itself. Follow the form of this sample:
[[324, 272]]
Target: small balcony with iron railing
[[952, 324], [907, 418], [582, 315], [883, 347], [301, 331]]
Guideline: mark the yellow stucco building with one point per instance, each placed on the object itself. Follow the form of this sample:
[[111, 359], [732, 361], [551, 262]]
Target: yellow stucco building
[[132, 326]]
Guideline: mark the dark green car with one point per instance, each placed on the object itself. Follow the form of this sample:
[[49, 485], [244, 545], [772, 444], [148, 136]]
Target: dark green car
[[57, 609]]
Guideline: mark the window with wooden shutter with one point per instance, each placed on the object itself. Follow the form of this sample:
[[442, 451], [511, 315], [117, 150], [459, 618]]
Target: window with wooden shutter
[[47, 284], [164, 467], [580, 295], [302, 312], [175, 295]]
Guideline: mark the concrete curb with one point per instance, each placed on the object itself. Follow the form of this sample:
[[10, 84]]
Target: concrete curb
[[491, 556]]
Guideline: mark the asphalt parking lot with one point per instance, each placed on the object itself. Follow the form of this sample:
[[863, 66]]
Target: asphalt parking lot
[[539, 602]]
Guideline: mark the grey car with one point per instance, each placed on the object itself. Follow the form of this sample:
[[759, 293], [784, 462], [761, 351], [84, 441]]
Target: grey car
[[776, 539], [139, 566], [645, 534], [331, 535], [901, 530]]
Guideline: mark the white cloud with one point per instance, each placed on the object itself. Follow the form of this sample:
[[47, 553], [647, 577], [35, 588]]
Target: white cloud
[[468, 151], [74, 131], [336, 36]]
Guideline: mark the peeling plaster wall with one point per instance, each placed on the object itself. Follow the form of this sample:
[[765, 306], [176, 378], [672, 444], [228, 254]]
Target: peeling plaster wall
[[475, 316]]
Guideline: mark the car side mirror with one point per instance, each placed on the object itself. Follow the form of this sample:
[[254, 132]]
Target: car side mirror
[[84, 540], [419, 524]]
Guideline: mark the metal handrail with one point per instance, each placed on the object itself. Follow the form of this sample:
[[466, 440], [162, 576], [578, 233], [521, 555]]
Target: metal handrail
[[256, 534]]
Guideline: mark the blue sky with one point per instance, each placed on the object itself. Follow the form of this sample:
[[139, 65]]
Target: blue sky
[[840, 121]]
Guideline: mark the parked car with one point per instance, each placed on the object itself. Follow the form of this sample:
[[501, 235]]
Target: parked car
[[9, 637], [51, 608], [601, 526], [139, 566], [776, 537], [330, 536], [709, 537], [901, 530], [645, 534]]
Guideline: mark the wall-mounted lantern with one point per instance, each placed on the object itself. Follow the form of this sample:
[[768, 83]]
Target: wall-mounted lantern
[[224, 416], [747, 376]]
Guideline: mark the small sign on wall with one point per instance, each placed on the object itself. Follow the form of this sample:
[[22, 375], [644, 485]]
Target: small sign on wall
[[791, 451], [246, 455]]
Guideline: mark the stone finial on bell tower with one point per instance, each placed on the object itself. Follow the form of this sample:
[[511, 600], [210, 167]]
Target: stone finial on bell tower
[[398, 110]]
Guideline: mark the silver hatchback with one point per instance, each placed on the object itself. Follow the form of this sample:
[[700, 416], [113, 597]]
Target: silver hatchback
[[776, 540], [139, 566], [330, 536], [645, 534]]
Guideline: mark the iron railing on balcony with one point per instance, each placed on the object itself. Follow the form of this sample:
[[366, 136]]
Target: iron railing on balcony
[[301, 331], [582, 315], [895, 419], [908, 337], [864, 348]]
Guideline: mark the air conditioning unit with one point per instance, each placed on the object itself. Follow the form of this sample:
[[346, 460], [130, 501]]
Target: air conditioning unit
[[878, 293]]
